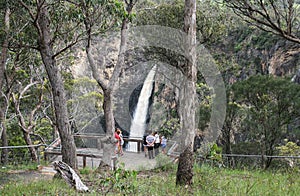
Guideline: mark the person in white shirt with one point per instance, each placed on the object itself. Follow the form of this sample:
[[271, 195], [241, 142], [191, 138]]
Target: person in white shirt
[[121, 143], [156, 143], [150, 139]]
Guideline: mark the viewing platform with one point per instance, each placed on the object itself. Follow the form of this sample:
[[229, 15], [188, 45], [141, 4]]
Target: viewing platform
[[91, 157]]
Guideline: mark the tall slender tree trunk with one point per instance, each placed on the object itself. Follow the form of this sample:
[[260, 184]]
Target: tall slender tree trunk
[[32, 150], [226, 135], [4, 141], [3, 105], [187, 108], [62, 119], [108, 85], [109, 142]]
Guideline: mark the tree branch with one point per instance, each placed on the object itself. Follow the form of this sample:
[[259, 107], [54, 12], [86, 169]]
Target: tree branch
[[267, 15]]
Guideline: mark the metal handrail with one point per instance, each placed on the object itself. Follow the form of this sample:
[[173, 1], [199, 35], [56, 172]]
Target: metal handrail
[[259, 156], [171, 151], [25, 146]]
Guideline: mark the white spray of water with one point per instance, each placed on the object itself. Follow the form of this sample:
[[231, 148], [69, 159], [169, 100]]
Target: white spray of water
[[138, 124]]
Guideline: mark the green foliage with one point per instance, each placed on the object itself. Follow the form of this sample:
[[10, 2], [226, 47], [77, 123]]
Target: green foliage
[[164, 14], [290, 149], [211, 18], [122, 181], [214, 153], [40, 187], [14, 134], [246, 148], [19, 167], [204, 116], [44, 129], [271, 104], [85, 103], [163, 162], [207, 181], [214, 181], [251, 38], [103, 15], [210, 152], [86, 171], [169, 127], [15, 138], [203, 93], [68, 80], [264, 40]]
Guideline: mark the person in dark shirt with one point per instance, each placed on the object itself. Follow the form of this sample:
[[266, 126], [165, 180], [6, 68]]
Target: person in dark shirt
[[145, 144]]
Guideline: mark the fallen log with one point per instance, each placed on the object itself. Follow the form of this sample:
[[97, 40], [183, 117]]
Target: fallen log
[[69, 175]]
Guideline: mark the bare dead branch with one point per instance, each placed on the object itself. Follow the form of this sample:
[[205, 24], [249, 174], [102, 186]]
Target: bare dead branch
[[277, 17]]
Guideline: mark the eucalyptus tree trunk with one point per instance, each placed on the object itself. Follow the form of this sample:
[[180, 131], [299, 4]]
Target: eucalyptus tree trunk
[[62, 120], [109, 141], [3, 105], [4, 141], [107, 85], [187, 108], [32, 151]]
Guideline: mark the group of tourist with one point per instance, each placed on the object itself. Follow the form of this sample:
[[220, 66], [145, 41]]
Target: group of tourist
[[152, 142]]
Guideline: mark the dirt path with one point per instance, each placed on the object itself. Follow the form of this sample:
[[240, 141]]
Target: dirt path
[[130, 161]]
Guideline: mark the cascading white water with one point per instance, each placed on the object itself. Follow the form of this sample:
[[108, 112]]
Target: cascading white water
[[138, 124]]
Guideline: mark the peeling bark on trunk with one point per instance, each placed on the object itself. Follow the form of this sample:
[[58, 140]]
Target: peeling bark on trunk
[[187, 117], [4, 154], [45, 47], [108, 144], [3, 105], [32, 150], [184, 174], [3, 132], [187, 108]]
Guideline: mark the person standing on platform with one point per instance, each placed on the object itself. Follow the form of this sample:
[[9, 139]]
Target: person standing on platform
[[145, 144], [117, 137], [156, 143], [121, 142], [150, 139], [163, 144]]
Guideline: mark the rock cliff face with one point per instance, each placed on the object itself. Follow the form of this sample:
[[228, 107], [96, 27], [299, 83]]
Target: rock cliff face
[[296, 77], [246, 51], [137, 65], [285, 60]]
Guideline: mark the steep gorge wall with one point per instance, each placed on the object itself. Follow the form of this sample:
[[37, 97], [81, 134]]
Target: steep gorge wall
[[247, 51]]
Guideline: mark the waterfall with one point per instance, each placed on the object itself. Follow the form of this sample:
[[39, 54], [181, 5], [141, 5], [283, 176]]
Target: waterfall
[[138, 124]]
